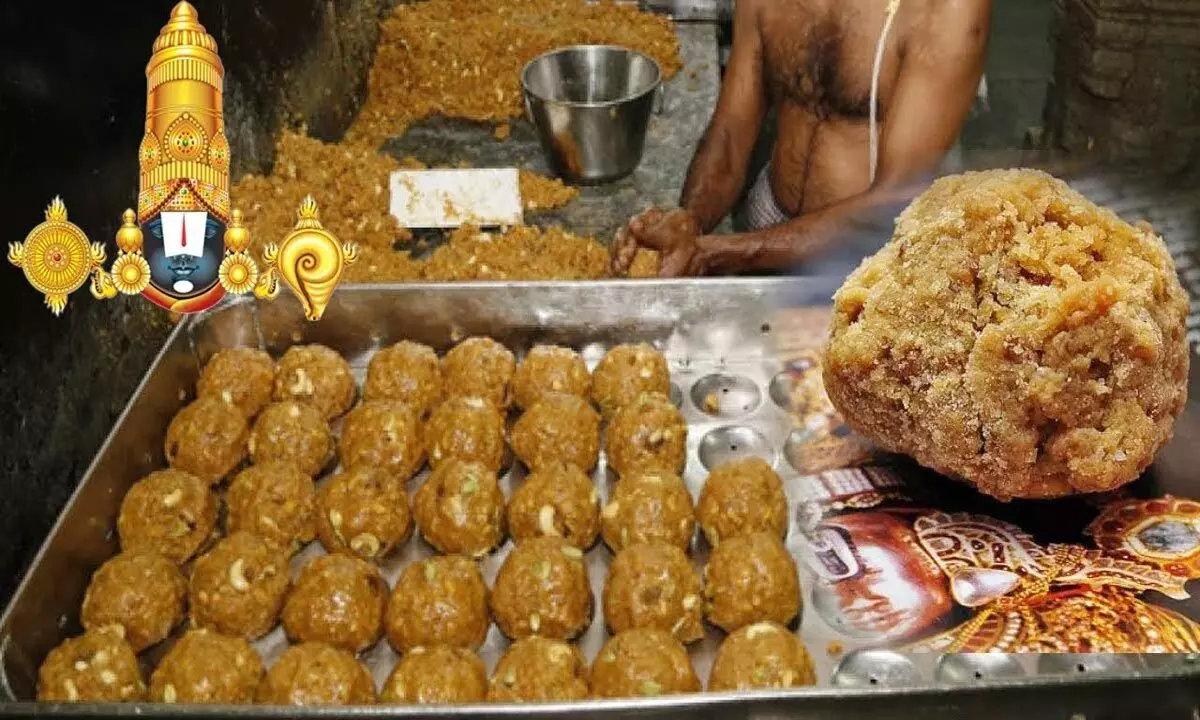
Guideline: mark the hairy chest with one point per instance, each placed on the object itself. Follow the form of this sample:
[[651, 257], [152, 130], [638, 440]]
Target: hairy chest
[[819, 55]]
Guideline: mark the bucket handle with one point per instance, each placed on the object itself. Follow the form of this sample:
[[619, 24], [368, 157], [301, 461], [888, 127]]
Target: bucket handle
[[660, 99]]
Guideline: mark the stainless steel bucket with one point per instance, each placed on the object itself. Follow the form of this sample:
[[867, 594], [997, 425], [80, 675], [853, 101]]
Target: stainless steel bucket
[[591, 105]]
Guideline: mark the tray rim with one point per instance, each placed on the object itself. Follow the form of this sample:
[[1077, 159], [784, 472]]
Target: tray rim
[[1097, 692]]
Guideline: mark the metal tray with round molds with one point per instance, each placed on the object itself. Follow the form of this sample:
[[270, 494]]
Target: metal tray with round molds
[[726, 380]]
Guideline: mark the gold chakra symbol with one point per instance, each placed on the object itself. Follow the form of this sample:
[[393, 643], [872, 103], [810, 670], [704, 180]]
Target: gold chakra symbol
[[57, 259], [310, 260]]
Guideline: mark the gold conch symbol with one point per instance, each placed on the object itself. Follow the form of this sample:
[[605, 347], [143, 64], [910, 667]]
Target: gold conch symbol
[[310, 260]]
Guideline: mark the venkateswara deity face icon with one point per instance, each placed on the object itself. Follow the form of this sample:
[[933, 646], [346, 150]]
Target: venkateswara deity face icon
[[874, 582], [184, 251]]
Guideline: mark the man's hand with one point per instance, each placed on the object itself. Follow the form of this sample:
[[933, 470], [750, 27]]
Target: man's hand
[[626, 246], [673, 234]]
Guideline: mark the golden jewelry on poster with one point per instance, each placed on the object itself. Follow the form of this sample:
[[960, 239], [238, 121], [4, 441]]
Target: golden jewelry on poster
[[171, 249], [58, 259], [130, 274], [238, 273], [1163, 532], [184, 157], [310, 260], [858, 488], [130, 271], [1058, 598]]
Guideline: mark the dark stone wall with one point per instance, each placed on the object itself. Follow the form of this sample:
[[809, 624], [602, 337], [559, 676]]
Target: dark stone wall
[[72, 110], [1126, 84]]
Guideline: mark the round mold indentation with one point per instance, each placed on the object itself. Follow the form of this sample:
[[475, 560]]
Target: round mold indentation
[[780, 390], [1080, 663], [676, 395], [876, 668], [977, 667], [726, 396], [734, 442]]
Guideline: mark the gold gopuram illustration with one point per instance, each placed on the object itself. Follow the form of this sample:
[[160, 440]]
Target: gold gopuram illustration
[[184, 249]]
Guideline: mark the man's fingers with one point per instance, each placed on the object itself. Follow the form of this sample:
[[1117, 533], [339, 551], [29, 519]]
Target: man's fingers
[[682, 222], [623, 251], [654, 240], [615, 260], [624, 259], [646, 220], [674, 264]]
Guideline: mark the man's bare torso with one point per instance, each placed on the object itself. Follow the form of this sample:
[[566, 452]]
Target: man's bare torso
[[812, 60], [817, 62]]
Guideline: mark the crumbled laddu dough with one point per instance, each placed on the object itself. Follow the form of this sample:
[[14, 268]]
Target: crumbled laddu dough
[[458, 59], [1014, 335], [463, 58], [384, 266], [409, 162], [351, 186], [349, 183], [521, 253], [646, 264], [540, 193]]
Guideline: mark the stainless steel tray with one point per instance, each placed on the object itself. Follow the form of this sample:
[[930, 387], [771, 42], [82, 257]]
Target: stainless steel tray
[[718, 336]]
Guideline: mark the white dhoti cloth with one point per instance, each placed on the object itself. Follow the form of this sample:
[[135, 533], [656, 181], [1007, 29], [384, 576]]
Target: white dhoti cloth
[[762, 209]]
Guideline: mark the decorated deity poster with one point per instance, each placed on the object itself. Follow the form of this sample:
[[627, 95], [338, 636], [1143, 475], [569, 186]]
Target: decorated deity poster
[[896, 556]]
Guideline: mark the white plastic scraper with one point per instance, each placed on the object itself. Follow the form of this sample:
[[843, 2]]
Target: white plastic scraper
[[450, 198]]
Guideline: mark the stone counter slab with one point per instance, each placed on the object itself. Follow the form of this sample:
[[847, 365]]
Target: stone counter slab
[[689, 99]]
